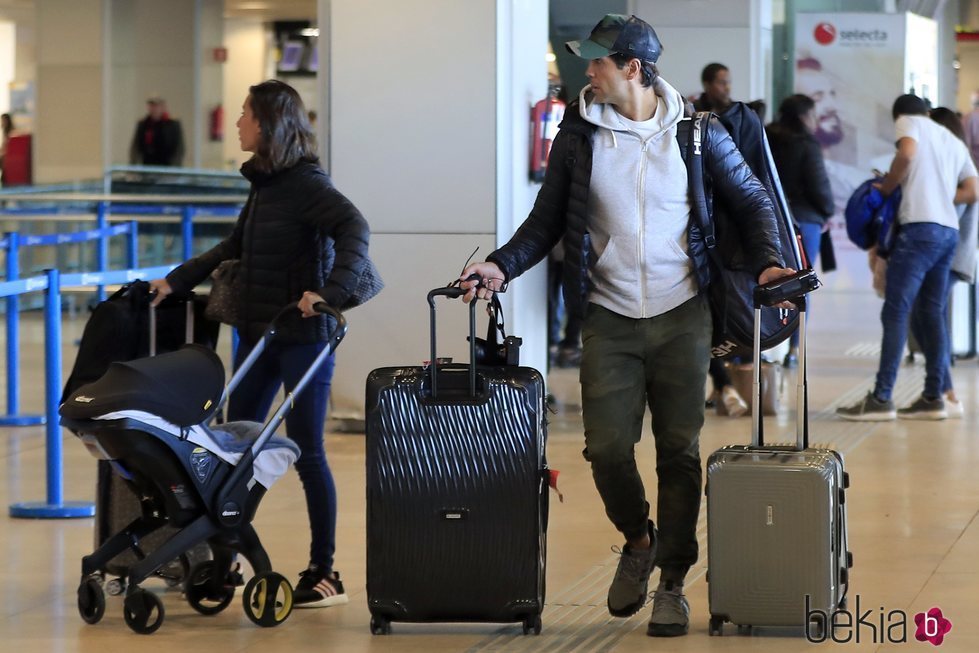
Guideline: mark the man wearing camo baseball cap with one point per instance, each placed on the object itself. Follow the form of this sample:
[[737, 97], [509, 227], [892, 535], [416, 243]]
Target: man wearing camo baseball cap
[[619, 34], [636, 269]]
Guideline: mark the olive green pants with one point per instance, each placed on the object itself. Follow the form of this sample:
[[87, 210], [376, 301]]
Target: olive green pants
[[626, 365]]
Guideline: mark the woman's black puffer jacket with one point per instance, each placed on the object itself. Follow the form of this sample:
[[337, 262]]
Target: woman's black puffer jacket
[[561, 210], [296, 233], [802, 171]]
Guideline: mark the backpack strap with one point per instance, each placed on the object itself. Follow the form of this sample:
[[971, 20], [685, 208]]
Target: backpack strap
[[696, 127]]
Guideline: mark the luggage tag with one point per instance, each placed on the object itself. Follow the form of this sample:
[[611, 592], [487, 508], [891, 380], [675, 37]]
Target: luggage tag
[[552, 475]]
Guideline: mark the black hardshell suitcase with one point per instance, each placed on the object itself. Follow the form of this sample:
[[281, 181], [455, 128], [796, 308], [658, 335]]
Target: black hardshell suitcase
[[457, 488], [140, 331], [776, 522]]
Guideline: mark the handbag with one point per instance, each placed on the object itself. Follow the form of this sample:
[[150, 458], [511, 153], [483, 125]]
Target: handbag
[[368, 286], [490, 351], [222, 304]]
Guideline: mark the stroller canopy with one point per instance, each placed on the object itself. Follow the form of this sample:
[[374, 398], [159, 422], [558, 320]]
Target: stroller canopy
[[182, 387]]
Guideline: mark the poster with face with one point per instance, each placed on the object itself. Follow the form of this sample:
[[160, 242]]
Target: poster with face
[[854, 66]]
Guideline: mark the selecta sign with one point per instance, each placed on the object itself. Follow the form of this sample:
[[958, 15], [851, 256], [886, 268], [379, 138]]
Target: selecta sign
[[826, 33]]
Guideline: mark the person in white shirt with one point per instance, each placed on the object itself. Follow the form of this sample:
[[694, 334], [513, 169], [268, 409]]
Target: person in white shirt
[[935, 172]]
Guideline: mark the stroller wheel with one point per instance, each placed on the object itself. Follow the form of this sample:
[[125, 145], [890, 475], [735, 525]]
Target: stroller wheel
[[268, 599], [91, 601], [138, 610], [204, 594]]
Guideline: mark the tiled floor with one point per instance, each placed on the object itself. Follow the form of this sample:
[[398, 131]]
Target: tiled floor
[[912, 514]]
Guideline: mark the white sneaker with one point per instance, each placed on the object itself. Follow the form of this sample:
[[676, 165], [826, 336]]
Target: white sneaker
[[735, 405], [953, 407]]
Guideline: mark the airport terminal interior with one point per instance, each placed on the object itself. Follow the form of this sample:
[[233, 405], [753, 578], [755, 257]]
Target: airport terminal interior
[[427, 116]]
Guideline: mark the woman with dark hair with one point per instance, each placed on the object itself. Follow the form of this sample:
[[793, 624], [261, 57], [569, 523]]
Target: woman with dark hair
[[297, 238], [799, 161], [948, 119]]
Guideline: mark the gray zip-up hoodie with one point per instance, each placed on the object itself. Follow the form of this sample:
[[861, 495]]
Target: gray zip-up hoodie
[[638, 209]]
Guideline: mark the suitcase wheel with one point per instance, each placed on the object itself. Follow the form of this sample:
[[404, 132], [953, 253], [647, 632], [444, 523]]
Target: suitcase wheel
[[716, 626], [532, 625], [744, 629], [143, 611], [268, 599], [91, 600], [380, 625]]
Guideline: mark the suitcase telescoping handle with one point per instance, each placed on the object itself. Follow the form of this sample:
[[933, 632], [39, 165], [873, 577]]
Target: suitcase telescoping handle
[[188, 325], [793, 288], [452, 292]]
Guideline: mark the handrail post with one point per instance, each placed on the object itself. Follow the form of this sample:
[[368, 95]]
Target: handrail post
[[13, 325], [102, 251], [13, 343], [55, 507], [187, 230], [132, 241]]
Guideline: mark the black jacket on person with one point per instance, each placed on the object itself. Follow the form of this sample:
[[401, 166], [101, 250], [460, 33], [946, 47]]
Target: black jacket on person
[[799, 161], [561, 210], [296, 233], [157, 142]]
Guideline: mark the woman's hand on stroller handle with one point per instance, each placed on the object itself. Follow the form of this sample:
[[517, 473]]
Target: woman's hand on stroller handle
[[307, 304]]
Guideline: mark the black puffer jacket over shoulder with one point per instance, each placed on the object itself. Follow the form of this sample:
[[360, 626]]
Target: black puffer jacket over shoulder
[[296, 233]]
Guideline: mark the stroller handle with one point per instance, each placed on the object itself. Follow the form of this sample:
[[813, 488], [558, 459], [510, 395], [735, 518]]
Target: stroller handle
[[232, 496], [333, 341]]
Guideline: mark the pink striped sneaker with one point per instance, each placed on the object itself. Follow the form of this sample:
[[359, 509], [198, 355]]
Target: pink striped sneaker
[[318, 589]]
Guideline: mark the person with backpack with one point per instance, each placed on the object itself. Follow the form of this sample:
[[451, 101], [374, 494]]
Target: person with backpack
[[799, 161], [636, 269], [935, 172]]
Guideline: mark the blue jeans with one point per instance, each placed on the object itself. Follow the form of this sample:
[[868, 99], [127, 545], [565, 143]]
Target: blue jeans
[[921, 334], [285, 364], [811, 233], [917, 270]]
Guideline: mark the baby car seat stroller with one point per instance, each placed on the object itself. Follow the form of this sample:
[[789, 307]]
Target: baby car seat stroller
[[148, 417]]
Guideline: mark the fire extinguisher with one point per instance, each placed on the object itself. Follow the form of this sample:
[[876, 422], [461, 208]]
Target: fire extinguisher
[[544, 119], [216, 128]]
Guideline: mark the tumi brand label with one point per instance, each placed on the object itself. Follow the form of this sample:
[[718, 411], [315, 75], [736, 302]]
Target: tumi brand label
[[82, 399], [876, 625]]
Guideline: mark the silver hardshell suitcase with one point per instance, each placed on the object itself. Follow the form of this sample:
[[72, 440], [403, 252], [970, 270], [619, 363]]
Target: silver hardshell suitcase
[[776, 522]]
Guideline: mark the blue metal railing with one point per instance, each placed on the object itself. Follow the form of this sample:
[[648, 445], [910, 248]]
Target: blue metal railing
[[51, 283], [12, 244]]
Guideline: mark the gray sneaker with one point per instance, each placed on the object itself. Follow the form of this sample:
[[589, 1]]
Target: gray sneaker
[[868, 409], [923, 408], [671, 612], [627, 594]]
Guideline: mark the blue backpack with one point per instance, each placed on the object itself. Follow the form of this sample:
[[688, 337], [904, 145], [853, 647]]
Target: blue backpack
[[871, 218]]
